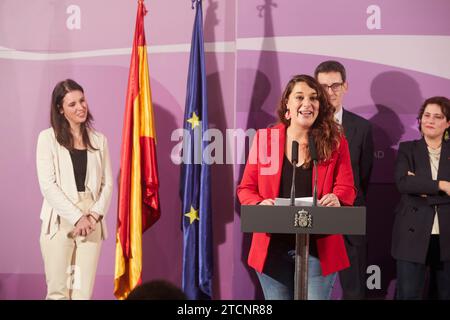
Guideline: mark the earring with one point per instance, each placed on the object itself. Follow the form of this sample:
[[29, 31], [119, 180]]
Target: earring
[[287, 115]]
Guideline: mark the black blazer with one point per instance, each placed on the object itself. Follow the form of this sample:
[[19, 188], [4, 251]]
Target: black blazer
[[358, 132], [419, 194]]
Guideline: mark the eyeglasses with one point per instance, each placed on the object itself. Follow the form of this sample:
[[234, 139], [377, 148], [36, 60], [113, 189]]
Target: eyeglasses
[[335, 86]]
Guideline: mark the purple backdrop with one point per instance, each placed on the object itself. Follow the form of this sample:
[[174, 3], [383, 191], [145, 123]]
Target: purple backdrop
[[395, 54]]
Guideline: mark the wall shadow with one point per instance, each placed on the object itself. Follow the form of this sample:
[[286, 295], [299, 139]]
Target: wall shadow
[[396, 97], [163, 242], [222, 192], [265, 91]]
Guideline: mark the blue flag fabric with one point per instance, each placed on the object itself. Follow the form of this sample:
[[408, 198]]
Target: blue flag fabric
[[195, 180]]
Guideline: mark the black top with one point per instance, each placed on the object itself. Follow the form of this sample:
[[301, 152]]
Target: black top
[[303, 180], [303, 188], [79, 162]]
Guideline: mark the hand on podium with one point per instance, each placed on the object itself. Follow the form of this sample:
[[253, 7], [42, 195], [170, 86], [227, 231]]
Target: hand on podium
[[329, 200], [267, 202]]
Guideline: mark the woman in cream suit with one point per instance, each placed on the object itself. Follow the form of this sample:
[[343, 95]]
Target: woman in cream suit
[[74, 173]]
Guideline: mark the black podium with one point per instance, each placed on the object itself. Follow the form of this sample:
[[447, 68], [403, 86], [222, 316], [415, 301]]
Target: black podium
[[303, 221]]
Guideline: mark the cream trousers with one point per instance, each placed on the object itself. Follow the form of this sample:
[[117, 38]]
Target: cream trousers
[[71, 264]]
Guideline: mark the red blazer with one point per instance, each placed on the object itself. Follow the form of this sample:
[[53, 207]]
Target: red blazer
[[261, 180]]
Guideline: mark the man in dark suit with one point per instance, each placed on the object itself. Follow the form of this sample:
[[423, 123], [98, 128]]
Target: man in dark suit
[[358, 131]]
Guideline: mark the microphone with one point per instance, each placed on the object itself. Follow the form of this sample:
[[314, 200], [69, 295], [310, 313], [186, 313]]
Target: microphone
[[312, 148], [294, 160], [294, 155], [314, 158]]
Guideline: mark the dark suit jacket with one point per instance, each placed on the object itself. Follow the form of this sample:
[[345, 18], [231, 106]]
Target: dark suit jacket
[[358, 133], [415, 213]]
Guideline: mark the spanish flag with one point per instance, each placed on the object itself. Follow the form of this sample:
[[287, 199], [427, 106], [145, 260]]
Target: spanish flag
[[138, 206]]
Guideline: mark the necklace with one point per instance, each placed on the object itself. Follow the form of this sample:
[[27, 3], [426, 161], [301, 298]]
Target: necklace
[[433, 148], [435, 155]]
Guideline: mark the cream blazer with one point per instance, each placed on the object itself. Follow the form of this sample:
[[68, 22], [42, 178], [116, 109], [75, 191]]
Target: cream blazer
[[57, 181]]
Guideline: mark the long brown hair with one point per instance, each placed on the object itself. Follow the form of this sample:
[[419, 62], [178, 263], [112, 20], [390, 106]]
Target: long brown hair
[[59, 122], [325, 131]]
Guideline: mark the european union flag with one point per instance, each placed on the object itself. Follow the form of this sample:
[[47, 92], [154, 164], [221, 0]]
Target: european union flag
[[195, 182]]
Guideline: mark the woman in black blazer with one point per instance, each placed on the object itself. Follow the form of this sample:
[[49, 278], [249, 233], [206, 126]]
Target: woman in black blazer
[[421, 232]]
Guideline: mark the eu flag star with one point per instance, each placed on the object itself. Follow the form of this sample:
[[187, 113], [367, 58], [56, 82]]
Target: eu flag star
[[194, 120], [192, 215]]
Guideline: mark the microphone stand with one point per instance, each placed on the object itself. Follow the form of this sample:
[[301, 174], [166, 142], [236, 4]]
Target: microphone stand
[[294, 159], [301, 242], [301, 266], [302, 239]]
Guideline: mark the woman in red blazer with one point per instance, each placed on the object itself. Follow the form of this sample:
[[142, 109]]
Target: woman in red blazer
[[303, 110]]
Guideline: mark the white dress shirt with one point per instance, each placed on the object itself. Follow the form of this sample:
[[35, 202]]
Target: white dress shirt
[[338, 116]]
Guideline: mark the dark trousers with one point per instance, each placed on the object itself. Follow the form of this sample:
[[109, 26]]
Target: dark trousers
[[414, 282], [353, 279]]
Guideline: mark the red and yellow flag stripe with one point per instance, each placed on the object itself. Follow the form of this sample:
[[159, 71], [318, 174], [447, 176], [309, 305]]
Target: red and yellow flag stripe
[[138, 205]]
